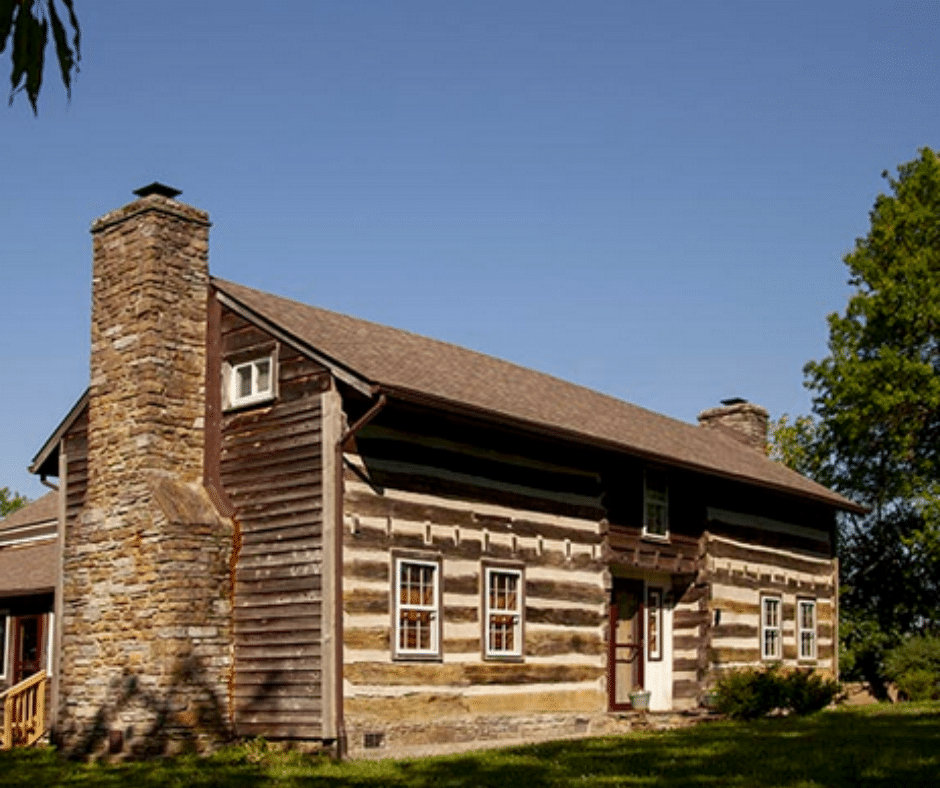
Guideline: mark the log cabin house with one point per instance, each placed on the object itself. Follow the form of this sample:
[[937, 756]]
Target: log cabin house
[[281, 521]]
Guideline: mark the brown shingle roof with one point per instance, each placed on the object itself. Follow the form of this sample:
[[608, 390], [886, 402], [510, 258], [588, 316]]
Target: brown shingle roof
[[42, 510], [28, 568], [405, 363]]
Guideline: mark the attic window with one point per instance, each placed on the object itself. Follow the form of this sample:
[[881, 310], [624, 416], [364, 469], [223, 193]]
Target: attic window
[[251, 382]]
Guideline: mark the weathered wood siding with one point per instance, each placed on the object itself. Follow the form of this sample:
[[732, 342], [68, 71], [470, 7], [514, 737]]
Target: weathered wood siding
[[458, 509], [271, 471]]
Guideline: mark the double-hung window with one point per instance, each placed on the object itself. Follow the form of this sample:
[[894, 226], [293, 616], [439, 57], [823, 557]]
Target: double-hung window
[[417, 608], [770, 628], [806, 628], [655, 504], [251, 382], [503, 606]]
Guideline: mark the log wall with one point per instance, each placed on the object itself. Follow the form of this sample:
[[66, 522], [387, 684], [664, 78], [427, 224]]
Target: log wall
[[560, 676], [739, 574]]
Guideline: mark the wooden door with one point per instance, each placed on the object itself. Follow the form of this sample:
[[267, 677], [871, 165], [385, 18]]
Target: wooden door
[[626, 654], [28, 653]]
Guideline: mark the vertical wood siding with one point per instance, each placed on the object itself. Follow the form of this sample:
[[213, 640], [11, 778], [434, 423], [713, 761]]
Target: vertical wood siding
[[271, 472]]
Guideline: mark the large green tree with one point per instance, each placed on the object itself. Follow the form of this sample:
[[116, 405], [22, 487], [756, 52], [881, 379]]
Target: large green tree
[[11, 501], [25, 26], [876, 432]]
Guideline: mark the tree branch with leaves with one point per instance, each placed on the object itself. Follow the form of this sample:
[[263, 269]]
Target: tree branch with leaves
[[25, 27]]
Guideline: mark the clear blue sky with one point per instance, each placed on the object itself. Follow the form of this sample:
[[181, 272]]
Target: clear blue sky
[[648, 198]]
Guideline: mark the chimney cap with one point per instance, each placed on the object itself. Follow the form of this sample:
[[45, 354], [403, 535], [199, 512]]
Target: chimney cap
[[734, 401], [157, 188]]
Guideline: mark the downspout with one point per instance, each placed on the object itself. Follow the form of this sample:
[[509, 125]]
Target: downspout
[[342, 744], [44, 481]]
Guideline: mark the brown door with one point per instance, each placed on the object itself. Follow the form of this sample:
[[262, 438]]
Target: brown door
[[28, 652], [625, 659]]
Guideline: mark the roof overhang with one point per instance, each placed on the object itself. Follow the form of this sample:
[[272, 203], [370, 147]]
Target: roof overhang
[[46, 461]]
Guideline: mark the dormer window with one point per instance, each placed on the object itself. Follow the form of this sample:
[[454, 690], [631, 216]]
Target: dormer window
[[251, 382], [655, 504]]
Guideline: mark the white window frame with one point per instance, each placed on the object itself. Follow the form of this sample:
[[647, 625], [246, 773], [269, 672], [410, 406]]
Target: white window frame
[[236, 400], [658, 498], [806, 634], [515, 613], [434, 609], [771, 615], [5, 642]]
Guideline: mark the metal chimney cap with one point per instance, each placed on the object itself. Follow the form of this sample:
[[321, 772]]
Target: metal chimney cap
[[734, 401], [157, 188]]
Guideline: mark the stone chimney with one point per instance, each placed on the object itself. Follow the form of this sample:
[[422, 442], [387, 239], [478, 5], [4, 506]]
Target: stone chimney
[[146, 646], [740, 419]]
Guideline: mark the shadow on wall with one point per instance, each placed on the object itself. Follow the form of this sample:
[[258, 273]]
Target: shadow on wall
[[188, 717]]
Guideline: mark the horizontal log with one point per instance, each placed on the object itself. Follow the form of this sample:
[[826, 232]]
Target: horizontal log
[[543, 644], [465, 584], [689, 619], [367, 638], [367, 570], [574, 617], [570, 592], [274, 585], [368, 505], [244, 599], [686, 665], [361, 600], [272, 626], [259, 532], [724, 655], [466, 674], [819, 547], [765, 582], [735, 631], [687, 642], [718, 548]]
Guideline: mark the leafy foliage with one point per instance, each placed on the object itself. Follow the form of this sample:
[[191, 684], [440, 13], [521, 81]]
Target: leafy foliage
[[876, 432], [914, 667], [748, 694], [11, 501], [25, 24]]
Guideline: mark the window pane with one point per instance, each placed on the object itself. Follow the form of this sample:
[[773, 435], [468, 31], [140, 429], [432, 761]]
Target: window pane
[[264, 376], [243, 380]]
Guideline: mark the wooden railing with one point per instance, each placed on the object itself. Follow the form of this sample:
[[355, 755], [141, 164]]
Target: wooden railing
[[24, 712]]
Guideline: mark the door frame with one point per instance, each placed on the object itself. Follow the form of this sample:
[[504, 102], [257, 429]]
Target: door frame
[[17, 651], [640, 645]]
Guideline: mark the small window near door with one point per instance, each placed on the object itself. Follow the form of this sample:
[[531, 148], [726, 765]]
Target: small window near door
[[654, 624], [4, 642]]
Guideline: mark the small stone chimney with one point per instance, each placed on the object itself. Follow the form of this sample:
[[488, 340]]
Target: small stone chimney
[[742, 420], [146, 646]]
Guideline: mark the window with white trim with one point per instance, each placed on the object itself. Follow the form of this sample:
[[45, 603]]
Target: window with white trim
[[806, 628], [770, 640], [655, 503], [251, 382], [417, 608], [503, 612], [4, 642]]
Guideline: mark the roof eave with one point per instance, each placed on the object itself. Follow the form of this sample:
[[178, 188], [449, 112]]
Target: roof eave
[[403, 394], [51, 446]]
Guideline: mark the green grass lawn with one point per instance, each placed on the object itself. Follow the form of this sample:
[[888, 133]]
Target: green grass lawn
[[890, 746]]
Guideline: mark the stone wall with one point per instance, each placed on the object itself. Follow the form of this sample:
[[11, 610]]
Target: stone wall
[[146, 646]]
